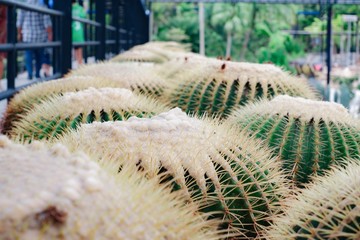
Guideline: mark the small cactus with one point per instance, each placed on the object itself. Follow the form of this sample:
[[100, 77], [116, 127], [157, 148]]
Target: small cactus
[[134, 76], [141, 55], [51, 118], [185, 63], [234, 179], [328, 209], [307, 136], [50, 193], [166, 46], [152, 52], [218, 87], [27, 98]]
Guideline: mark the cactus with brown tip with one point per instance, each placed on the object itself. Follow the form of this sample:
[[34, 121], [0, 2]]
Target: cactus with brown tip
[[50, 193], [51, 118], [182, 64], [233, 178], [217, 87], [327, 209], [307, 136]]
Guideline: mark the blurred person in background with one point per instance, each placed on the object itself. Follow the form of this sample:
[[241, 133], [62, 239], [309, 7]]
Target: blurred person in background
[[3, 30], [78, 30], [34, 27], [46, 62]]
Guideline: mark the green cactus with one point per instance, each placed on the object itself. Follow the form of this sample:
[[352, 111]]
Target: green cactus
[[218, 87], [328, 209], [27, 98], [167, 46], [51, 118], [230, 176], [152, 52], [140, 55], [307, 136], [138, 77], [50, 193], [182, 64]]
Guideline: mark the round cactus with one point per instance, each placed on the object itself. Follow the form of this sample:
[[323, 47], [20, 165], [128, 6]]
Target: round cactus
[[27, 98], [327, 209], [307, 136], [134, 76], [153, 52], [233, 178], [218, 87], [141, 55], [182, 64], [59, 113], [49, 193], [167, 46]]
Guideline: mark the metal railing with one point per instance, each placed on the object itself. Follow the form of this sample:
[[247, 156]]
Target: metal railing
[[129, 27]]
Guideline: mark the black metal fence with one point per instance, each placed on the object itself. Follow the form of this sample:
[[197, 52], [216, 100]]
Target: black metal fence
[[112, 27]]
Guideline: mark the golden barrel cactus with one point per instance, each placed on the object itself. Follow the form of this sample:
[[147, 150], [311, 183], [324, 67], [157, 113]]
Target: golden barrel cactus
[[233, 178], [27, 98], [151, 52], [166, 46], [134, 76], [141, 55], [182, 64], [50, 193], [217, 87], [307, 136], [60, 113], [327, 209]]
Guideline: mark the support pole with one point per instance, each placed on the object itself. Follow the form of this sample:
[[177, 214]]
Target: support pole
[[11, 55], [116, 24], [129, 23], [100, 31], [328, 43], [145, 29], [357, 57], [348, 47], [65, 36], [151, 22], [202, 28]]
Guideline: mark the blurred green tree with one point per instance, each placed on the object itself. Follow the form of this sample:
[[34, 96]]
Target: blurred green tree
[[245, 31]]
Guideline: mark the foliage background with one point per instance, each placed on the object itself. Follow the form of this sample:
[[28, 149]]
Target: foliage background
[[255, 30]]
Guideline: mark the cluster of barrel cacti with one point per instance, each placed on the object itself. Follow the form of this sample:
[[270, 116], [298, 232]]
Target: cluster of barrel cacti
[[162, 143]]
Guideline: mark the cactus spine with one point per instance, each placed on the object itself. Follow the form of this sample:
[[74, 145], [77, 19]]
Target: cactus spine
[[152, 52], [27, 98], [141, 55], [49, 193], [327, 209], [307, 136], [51, 118], [218, 87], [233, 178], [134, 76]]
